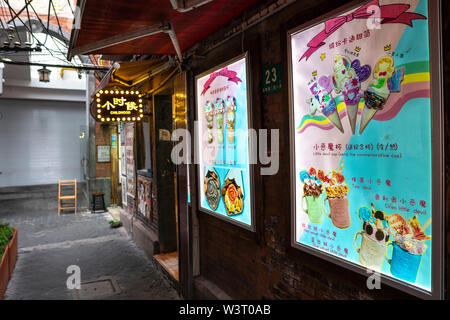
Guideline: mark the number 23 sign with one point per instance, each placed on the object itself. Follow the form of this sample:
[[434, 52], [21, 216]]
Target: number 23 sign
[[271, 79]]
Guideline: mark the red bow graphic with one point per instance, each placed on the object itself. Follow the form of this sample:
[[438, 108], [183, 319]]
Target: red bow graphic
[[231, 75], [392, 13]]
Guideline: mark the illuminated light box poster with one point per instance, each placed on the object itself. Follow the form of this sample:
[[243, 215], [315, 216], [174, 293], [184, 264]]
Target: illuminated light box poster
[[223, 115], [361, 129]]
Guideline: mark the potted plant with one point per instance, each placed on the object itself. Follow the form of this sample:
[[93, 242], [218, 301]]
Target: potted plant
[[115, 223], [12, 252], [8, 254], [4, 269]]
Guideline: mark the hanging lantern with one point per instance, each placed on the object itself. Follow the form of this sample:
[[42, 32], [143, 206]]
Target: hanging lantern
[[44, 74]]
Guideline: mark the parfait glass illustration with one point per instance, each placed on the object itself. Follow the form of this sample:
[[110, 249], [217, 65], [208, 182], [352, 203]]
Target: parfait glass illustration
[[209, 115], [408, 246], [386, 80], [231, 106], [312, 195], [211, 187], [347, 80], [219, 109], [323, 101], [233, 192], [337, 197], [374, 237]]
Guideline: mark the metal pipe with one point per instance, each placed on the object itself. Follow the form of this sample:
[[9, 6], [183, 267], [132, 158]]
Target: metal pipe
[[187, 5], [120, 38], [176, 45]]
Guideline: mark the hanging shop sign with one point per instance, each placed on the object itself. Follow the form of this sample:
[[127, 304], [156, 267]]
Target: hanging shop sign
[[223, 113], [118, 105], [271, 79], [361, 138]]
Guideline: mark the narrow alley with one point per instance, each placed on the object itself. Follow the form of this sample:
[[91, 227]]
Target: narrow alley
[[111, 265]]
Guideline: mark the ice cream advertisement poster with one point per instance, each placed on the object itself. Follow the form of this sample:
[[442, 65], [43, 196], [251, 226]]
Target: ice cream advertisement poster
[[361, 130], [223, 147]]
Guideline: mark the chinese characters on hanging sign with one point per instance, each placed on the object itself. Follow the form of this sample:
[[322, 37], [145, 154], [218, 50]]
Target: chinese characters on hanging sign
[[119, 105]]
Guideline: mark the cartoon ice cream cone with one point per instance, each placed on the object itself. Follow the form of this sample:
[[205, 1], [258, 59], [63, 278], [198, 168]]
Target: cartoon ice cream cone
[[231, 111], [218, 110], [209, 114], [347, 80], [323, 101], [386, 79]]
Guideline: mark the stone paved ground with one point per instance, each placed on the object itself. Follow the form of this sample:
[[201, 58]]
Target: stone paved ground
[[49, 243]]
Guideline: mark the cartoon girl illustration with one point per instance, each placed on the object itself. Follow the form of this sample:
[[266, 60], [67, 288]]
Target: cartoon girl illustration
[[386, 80], [347, 79]]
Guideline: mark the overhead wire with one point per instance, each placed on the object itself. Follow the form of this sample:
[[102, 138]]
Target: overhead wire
[[13, 21], [57, 20], [43, 44]]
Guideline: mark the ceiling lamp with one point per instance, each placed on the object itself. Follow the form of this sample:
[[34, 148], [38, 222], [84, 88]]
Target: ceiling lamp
[[44, 74]]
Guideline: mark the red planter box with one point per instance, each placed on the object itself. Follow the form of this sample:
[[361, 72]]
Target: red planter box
[[4, 273], [12, 253]]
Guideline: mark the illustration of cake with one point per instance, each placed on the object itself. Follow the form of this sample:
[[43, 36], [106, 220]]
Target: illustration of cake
[[232, 197], [408, 246], [323, 101], [209, 115], [230, 105], [347, 80], [386, 80], [337, 196], [211, 188], [219, 108], [312, 195]]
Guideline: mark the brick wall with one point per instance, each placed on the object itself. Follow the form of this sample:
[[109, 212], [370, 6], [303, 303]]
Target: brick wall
[[262, 265], [102, 138]]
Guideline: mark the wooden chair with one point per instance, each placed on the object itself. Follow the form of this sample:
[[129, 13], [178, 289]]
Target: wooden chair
[[67, 185]]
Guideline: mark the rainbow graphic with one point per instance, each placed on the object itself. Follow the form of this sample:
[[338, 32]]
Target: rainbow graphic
[[415, 84]]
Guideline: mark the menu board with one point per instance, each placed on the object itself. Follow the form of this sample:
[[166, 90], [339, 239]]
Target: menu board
[[361, 134], [222, 142]]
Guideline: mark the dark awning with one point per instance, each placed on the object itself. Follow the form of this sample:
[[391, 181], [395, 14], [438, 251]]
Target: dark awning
[[110, 20]]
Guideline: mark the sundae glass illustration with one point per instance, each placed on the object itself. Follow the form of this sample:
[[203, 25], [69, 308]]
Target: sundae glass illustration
[[336, 194], [386, 80], [209, 114], [374, 237], [211, 188], [232, 193], [408, 246], [347, 80], [323, 101], [219, 109], [312, 195], [230, 105]]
